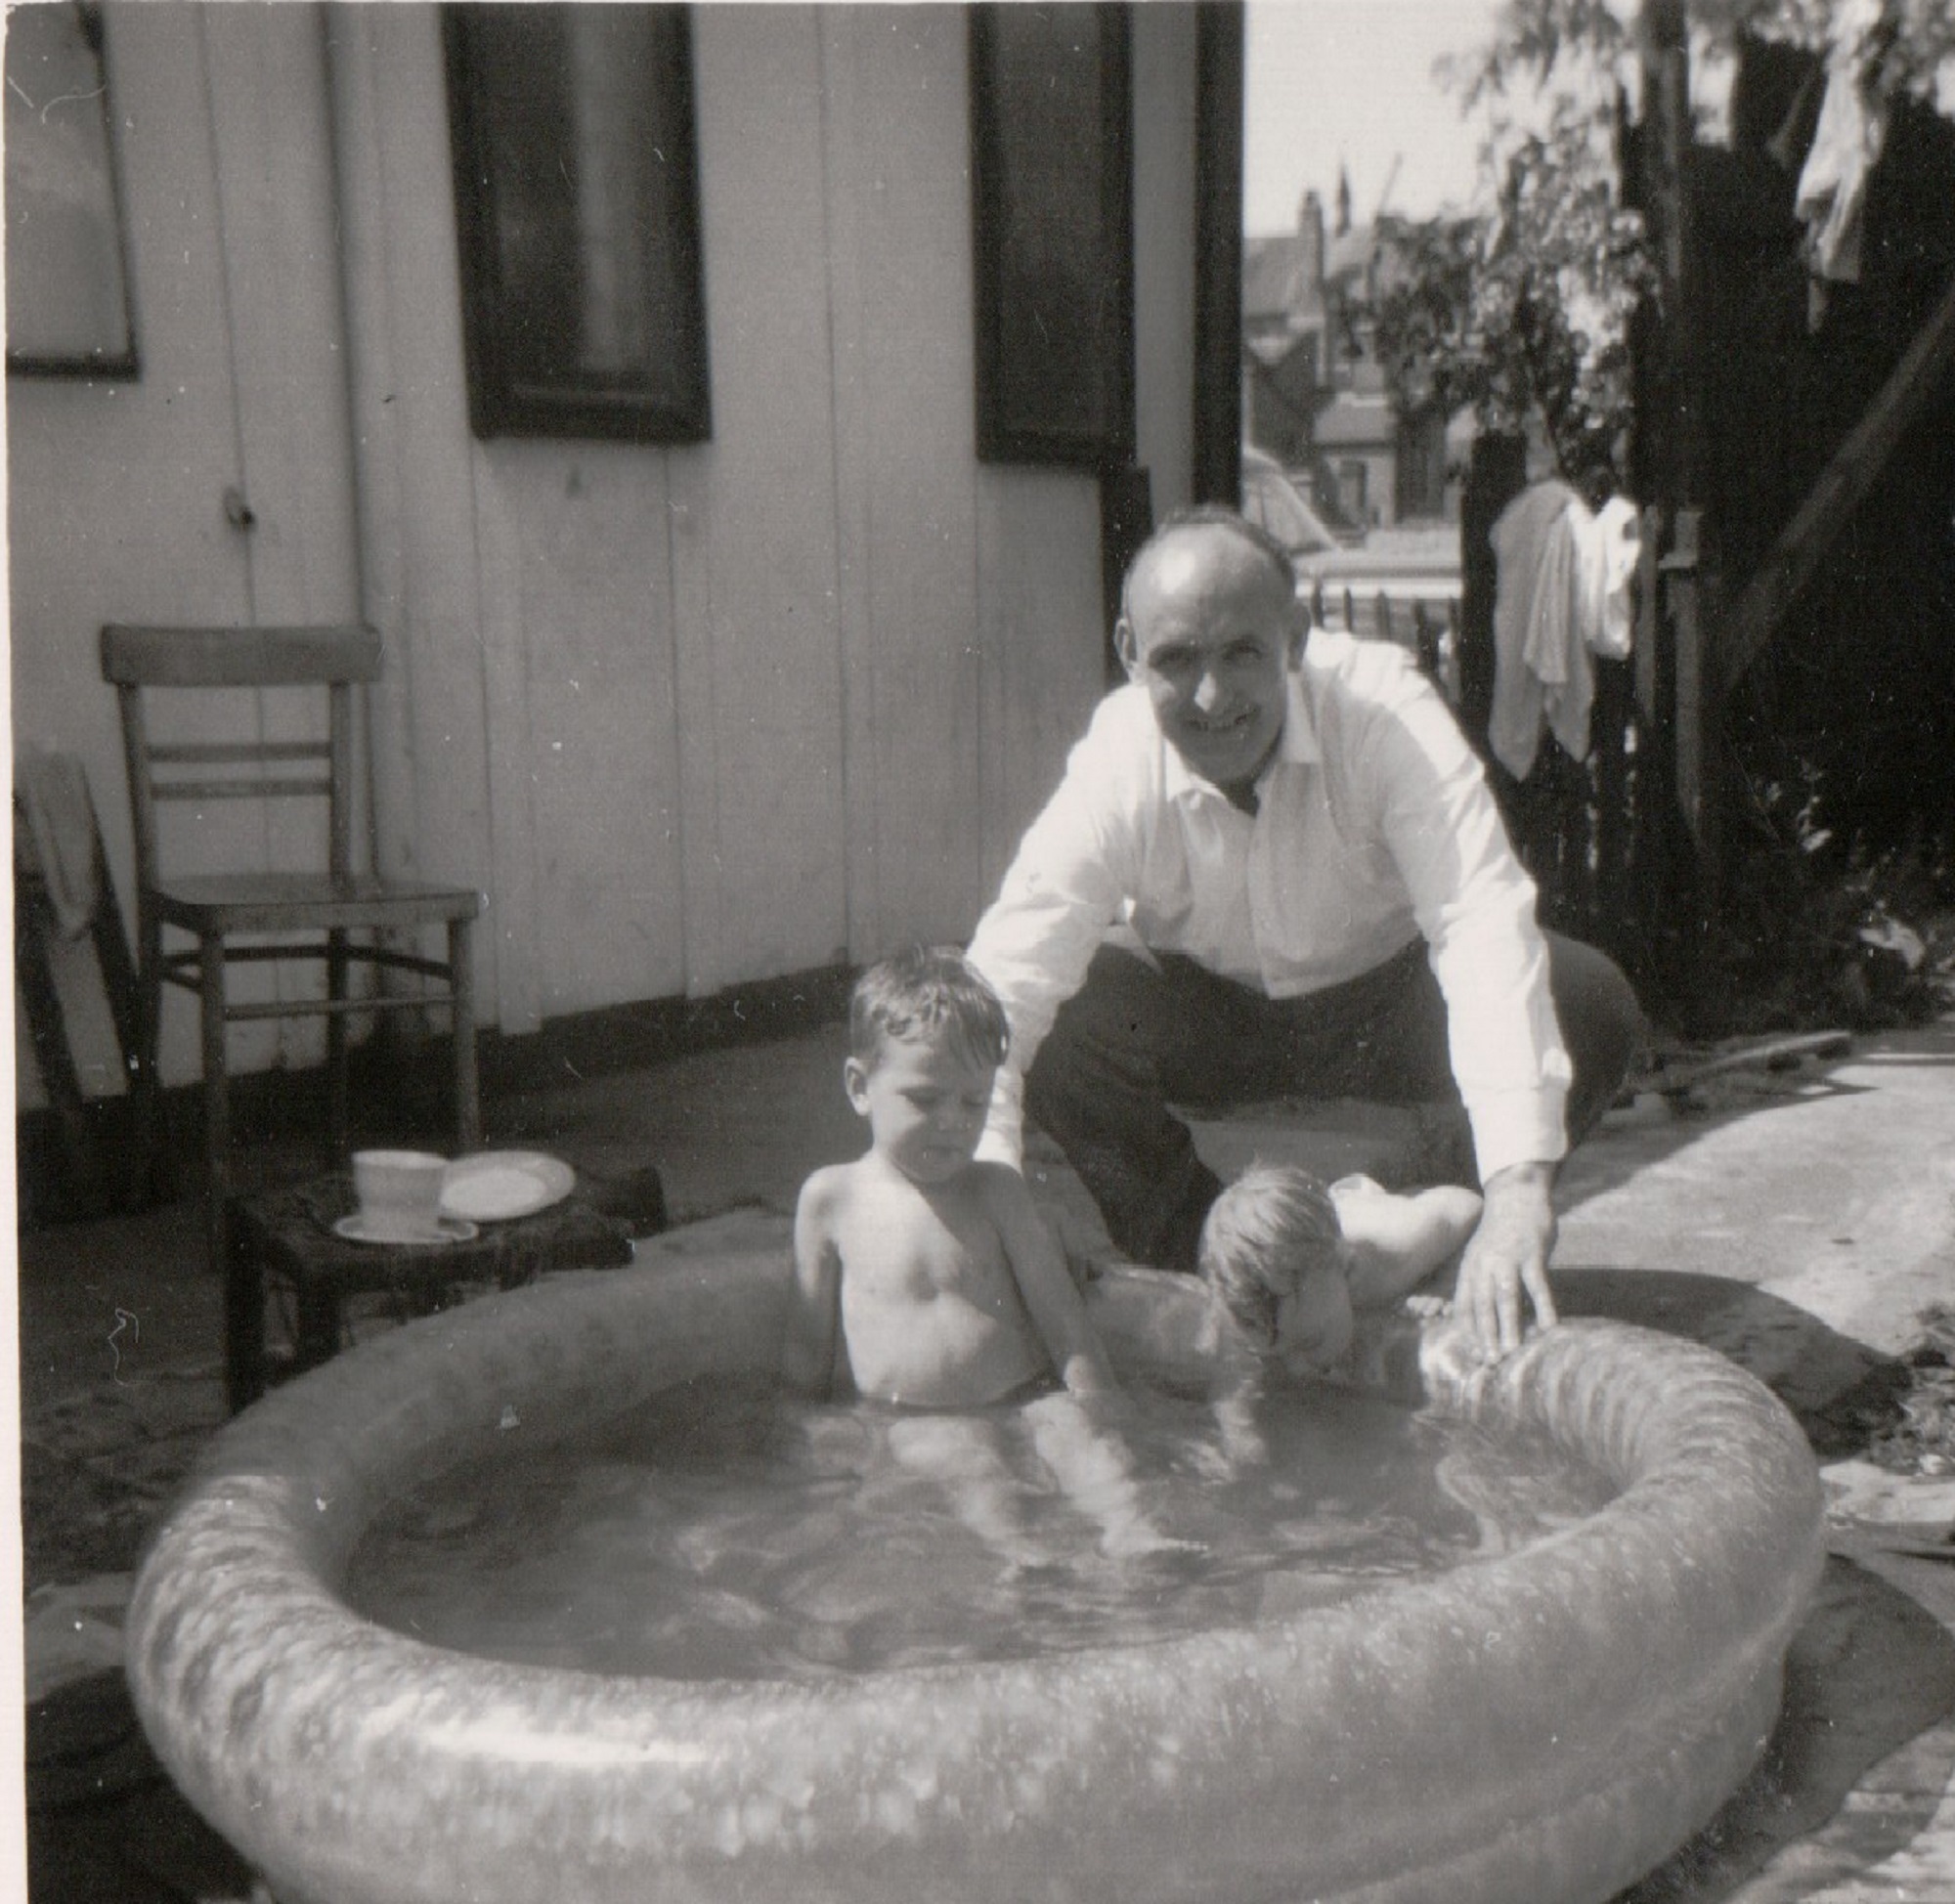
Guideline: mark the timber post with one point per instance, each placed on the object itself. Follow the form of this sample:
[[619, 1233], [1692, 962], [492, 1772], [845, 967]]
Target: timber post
[[1680, 685]]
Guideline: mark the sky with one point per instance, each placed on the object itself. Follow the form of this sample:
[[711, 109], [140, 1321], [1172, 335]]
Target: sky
[[1350, 81]]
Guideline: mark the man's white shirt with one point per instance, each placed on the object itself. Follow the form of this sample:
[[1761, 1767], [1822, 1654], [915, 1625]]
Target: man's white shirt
[[1374, 826]]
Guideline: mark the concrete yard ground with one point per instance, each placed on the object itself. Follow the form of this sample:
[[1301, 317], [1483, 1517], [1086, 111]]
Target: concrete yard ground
[[1799, 1220]]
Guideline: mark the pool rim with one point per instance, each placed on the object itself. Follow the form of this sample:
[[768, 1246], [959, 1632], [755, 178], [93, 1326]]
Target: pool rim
[[342, 1758]]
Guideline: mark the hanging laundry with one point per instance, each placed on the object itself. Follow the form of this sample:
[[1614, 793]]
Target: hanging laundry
[[1562, 596], [1847, 145]]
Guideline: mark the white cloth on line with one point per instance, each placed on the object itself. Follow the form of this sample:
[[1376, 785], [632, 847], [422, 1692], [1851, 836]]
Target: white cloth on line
[[1562, 597], [1847, 145]]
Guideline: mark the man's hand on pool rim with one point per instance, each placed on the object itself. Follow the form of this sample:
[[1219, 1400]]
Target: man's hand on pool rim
[[1507, 1254]]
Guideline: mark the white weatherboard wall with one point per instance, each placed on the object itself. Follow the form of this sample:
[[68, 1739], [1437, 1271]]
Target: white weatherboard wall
[[692, 716], [115, 497]]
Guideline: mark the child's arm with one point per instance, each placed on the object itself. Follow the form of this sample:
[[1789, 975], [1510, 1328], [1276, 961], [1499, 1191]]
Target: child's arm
[[1233, 1406], [1394, 1242], [1051, 1298], [814, 1301]]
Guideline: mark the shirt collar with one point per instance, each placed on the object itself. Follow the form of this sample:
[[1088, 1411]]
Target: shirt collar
[[1296, 746]]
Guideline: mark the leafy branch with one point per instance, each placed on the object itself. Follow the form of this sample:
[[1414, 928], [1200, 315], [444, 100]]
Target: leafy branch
[[1522, 310], [1524, 313]]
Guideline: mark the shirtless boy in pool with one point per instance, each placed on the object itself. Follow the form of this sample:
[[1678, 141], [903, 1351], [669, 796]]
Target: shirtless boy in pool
[[926, 1280]]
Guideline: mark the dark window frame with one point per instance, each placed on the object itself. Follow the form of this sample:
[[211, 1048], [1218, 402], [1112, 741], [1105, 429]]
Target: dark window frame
[[1070, 405], [120, 361], [669, 398]]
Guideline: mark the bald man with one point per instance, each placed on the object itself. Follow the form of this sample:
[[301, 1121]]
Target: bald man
[[1273, 867]]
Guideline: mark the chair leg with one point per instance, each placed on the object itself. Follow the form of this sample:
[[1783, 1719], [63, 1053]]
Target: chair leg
[[467, 1085], [336, 1098], [144, 1082], [216, 1101]]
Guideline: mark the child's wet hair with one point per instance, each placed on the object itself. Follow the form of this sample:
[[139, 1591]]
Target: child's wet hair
[[1268, 1230], [929, 992]]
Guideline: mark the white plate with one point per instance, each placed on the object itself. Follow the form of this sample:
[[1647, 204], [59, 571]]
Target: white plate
[[452, 1230], [495, 1186]]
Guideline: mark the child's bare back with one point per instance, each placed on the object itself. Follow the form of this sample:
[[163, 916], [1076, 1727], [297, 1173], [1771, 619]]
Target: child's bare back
[[929, 1310]]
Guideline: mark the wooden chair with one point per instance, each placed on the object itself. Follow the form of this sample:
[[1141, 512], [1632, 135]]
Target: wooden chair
[[326, 907]]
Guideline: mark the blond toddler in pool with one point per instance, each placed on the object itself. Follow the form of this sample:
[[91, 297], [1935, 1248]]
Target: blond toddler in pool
[[925, 1279], [1290, 1262]]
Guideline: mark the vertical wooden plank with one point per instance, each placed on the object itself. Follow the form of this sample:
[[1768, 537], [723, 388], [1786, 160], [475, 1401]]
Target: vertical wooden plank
[[1218, 251], [1646, 639], [848, 92], [1675, 429], [1039, 632], [379, 500], [433, 815], [595, 649], [896, 140], [515, 916], [1612, 795], [694, 729], [282, 271], [467, 1080], [412, 476], [1165, 163], [1425, 640], [1495, 473], [1695, 739], [275, 222], [769, 475]]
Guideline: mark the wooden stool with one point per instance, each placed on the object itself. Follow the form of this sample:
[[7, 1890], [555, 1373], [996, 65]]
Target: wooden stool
[[286, 1236]]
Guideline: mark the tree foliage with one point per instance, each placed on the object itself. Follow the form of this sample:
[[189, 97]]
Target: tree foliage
[[1523, 315], [1521, 310]]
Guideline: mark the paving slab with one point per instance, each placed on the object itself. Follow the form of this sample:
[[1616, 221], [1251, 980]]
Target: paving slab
[[1832, 1189]]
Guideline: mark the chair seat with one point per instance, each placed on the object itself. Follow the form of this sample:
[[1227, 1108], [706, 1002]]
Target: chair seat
[[275, 902]]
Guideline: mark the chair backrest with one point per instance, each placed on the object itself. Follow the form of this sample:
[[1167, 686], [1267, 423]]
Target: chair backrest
[[336, 658]]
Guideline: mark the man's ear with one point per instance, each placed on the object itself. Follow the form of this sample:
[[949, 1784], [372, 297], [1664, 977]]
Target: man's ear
[[1127, 645], [856, 1081]]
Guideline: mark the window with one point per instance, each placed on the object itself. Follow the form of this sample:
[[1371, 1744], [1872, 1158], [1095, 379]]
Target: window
[[1052, 216], [578, 209], [68, 281]]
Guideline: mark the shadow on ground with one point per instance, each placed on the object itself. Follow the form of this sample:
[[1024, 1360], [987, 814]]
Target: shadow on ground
[[1843, 1394], [1868, 1680], [1655, 1127]]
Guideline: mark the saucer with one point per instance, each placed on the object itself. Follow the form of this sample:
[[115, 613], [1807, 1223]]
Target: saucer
[[497, 1185], [447, 1229]]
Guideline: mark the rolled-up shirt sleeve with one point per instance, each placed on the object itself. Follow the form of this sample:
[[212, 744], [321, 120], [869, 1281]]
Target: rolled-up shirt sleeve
[[1076, 866], [1475, 904]]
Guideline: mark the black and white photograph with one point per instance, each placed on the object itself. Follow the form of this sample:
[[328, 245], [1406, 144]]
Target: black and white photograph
[[981, 953]]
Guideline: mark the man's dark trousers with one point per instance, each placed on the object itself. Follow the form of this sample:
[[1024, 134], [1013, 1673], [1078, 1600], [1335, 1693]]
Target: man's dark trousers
[[1138, 1037]]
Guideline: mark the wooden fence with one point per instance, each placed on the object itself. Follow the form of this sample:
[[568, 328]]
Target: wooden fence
[[1610, 840], [1429, 628]]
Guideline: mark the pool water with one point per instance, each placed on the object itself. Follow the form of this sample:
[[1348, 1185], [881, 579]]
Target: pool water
[[722, 1533]]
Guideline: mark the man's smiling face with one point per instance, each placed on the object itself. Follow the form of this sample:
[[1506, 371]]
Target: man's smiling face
[[1212, 627]]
